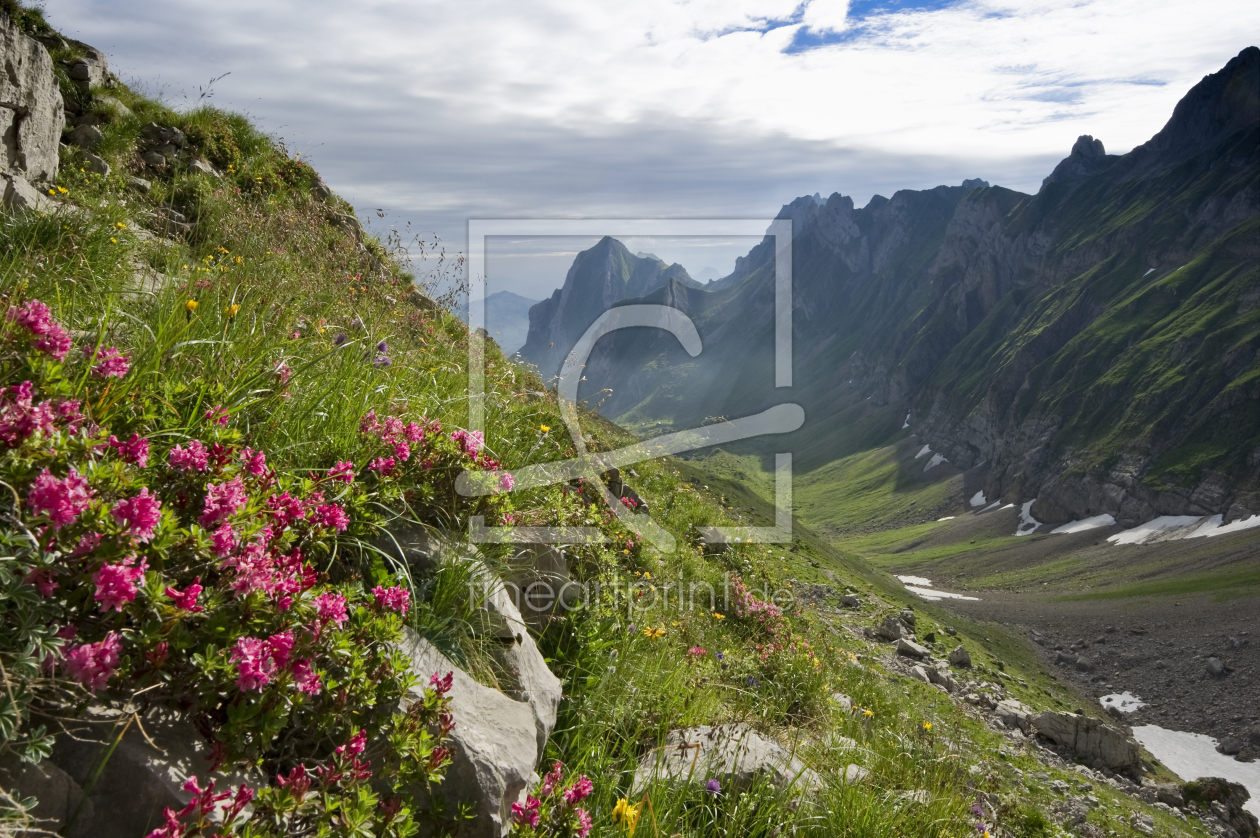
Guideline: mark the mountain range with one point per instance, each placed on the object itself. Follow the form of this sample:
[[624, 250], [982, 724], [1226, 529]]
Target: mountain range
[[1092, 347], [507, 319]]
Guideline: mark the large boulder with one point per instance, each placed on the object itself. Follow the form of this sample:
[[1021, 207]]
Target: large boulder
[[129, 787], [1090, 739], [539, 582], [522, 669], [495, 744], [59, 797], [1012, 714], [735, 755], [893, 628], [31, 111]]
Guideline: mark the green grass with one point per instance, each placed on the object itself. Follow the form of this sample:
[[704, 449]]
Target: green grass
[[1228, 583]]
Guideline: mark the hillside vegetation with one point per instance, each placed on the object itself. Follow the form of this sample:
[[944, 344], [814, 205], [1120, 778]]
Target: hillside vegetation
[[219, 394]]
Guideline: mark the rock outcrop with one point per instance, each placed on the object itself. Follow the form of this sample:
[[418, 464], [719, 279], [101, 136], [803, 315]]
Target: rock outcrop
[[31, 111], [1091, 740]]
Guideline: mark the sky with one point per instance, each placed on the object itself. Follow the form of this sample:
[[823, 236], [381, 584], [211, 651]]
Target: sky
[[438, 112]]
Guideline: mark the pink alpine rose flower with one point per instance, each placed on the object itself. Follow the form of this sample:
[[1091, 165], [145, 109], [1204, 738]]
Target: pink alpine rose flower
[[60, 500], [223, 500], [134, 450], [139, 516], [116, 583], [92, 664], [186, 600], [305, 678], [506, 481], [330, 515], [223, 540], [50, 336], [194, 458], [109, 362], [579, 791], [330, 607], [343, 471], [253, 463], [395, 598]]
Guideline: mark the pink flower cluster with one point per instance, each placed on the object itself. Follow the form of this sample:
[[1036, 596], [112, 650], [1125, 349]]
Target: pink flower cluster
[[138, 516], [201, 809], [116, 583], [109, 362], [253, 463], [748, 605], [530, 812], [186, 600], [279, 577], [342, 471], [223, 500], [134, 450], [60, 500], [330, 607], [92, 664], [193, 458], [394, 599], [50, 336], [20, 417], [259, 661]]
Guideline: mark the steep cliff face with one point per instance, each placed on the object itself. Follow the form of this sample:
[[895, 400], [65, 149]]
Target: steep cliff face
[[1093, 346]]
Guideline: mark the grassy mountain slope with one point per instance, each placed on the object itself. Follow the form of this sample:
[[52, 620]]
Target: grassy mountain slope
[[271, 322]]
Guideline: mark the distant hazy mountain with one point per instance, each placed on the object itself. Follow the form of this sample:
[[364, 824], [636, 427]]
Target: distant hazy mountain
[[1095, 346], [708, 274], [507, 319], [599, 277]]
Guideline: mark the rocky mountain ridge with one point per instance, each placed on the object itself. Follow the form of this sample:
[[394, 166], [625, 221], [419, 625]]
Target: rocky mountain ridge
[[1093, 347]]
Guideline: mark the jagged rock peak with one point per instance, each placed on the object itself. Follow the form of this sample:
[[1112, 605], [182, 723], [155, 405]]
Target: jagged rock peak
[[1086, 158], [977, 183]]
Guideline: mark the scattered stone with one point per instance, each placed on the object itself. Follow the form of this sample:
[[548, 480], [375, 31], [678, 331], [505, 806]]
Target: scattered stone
[[850, 601], [152, 158], [911, 649], [18, 194], [734, 754], [1216, 668], [96, 164], [139, 184], [1229, 746], [930, 637], [960, 657], [918, 673], [855, 773], [951, 631], [843, 700], [86, 136], [1013, 714], [1144, 824], [907, 617], [893, 628], [204, 167]]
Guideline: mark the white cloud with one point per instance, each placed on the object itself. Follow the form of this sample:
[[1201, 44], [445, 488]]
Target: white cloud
[[440, 111]]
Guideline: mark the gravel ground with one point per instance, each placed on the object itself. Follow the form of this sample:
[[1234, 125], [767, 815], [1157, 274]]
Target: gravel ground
[[1155, 648]]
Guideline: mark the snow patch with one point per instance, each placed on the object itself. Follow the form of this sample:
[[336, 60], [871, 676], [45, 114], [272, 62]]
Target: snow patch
[[923, 452], [1008, 506], [947, 518], [936, 460], [922, 588], [1194, 755], [935, 596], [903, 427], [1124, 702], [1179, 527], [978, 499], [1097, 522], [1027, 523], [1158, 530], [1237, 526], [1148, 273]]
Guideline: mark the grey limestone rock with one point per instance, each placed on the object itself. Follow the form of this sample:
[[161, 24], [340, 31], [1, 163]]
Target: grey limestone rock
[[736, 755], [911, 649], [960, 657], [1090, 739], [495, 743], [32, 113]]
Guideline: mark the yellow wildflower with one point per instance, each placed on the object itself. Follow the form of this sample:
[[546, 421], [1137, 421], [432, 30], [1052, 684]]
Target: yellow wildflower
[[231, 310], [626, 815], [62, 190], [718, 616], [114, 240], [544, 428], [191, 305], [868, 713], [927, 726]]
